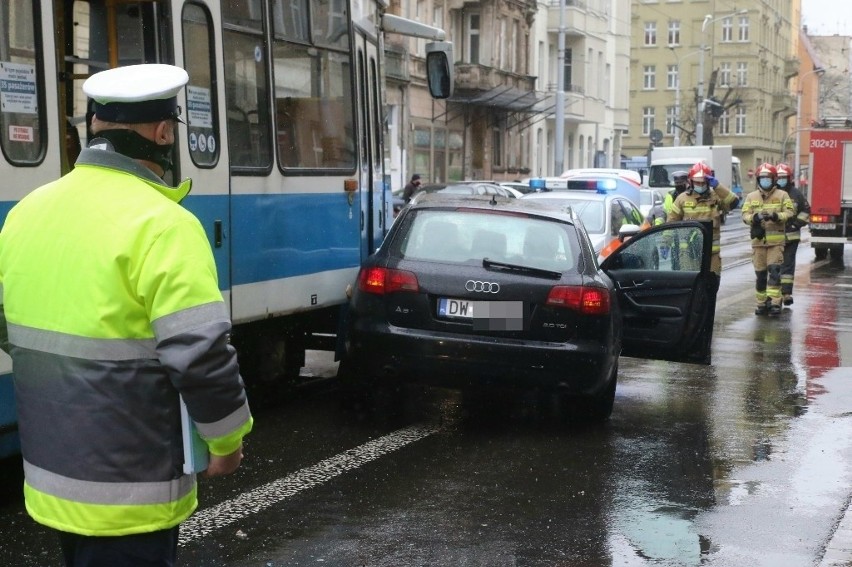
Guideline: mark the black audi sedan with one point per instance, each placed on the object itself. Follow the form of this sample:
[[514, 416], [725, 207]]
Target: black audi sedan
[[478, 293]]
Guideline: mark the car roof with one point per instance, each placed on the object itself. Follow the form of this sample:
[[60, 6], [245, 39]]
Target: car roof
[[489, 203]]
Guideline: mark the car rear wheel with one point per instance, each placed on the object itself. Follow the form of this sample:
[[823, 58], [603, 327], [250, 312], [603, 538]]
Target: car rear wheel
[[596, 408], [366, 395]]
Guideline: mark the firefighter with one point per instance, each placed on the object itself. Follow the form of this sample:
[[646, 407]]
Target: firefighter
[[766, 211], [792, 230], [113, 315], [701, 201]]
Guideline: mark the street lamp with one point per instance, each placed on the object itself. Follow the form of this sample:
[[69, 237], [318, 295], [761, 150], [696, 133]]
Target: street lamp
[[699, 122], [820, 71], [677, 91]]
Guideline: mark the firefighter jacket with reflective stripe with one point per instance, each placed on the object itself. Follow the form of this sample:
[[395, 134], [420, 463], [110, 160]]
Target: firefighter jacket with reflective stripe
[[793, 228], [112, 307], [776, 201]]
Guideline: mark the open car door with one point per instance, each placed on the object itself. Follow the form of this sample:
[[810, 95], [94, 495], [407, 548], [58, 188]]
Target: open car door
[[666, 291]]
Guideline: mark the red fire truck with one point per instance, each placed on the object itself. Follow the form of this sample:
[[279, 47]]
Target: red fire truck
[[831, 188]]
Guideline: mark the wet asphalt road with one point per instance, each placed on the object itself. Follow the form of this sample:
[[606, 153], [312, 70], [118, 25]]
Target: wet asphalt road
[[747, 462]]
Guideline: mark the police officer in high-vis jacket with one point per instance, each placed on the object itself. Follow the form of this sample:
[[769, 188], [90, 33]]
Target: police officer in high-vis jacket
[[792, 230], [114, 313], [766, 211]]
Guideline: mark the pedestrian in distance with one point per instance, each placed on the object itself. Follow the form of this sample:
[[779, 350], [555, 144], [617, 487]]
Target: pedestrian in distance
[[113, 318], [766, 211], [411, 188], [680, 180], [792, 230]]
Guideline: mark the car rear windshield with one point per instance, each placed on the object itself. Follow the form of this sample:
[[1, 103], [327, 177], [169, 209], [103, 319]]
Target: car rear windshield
[[464, 236]]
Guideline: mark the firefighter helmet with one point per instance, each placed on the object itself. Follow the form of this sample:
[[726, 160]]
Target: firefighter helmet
[[699, 172], [784, 170], [767, 170]]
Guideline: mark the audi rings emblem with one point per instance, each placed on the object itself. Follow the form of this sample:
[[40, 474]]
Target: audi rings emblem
[[482, 287]]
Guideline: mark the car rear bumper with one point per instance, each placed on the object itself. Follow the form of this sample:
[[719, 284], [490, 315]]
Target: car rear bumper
[[390, 353]]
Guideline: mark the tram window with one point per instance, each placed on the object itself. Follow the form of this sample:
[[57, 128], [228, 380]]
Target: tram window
[[315, 124], [330, 23], [22, 119], [247, 95], [290, 19], [201, 111]]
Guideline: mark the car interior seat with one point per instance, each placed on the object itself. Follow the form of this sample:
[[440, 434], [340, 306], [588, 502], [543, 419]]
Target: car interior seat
[[489, 244], [541, 245]]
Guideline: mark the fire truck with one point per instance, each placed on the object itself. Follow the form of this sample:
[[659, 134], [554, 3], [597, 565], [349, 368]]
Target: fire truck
[[831, 187]]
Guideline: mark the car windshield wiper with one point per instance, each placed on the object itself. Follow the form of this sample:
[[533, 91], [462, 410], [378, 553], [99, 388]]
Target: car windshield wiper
[[492, 265]]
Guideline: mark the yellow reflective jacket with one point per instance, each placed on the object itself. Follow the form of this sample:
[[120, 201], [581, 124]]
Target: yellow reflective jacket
[[112, 308]]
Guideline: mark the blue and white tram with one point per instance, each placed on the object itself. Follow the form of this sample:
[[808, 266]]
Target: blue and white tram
[[283, 142]]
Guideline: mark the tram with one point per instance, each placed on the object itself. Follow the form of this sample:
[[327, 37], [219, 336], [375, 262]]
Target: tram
[[283, 141]]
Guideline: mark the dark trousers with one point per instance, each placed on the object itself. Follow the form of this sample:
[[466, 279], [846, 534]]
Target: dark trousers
[[788, 267], [153, 549]]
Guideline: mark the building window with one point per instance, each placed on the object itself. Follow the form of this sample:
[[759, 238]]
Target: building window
[[743, 29], [725, 75], [674, 32], [742, 74], [725, 123], [728, 29], [671, 120], [473, 38], [649, 80], [740, 121], [497, 147], [647, 120], [650, 33], [671, 77]]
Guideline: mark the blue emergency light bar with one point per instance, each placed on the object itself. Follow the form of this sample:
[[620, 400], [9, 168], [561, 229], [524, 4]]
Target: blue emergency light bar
[[601, 186]]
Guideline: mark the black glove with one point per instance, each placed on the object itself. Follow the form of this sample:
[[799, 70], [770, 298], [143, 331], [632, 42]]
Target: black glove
[[774, 216], [755, 220]]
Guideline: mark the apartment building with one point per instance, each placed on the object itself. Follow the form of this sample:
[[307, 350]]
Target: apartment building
[[737, 57], [500, 123]]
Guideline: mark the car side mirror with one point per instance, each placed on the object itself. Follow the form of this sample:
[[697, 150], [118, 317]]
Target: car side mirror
[[628, 231], [439, 70]]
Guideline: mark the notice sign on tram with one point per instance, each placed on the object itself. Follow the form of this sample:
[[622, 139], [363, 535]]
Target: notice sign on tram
[[18, 88], [199, 109]]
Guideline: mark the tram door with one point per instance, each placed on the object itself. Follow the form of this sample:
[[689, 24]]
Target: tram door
[[369, 111]]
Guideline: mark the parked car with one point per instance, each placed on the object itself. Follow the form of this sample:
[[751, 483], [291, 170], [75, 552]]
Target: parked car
[[464, 188], [604, 214], [630, 174], [518, 186], [601, 183], [651, 204], [480, 293]]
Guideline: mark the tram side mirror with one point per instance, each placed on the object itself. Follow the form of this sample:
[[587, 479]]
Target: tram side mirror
[[439, 70]]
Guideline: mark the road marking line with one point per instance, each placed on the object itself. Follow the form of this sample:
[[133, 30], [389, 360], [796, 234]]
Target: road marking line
[[205, 521]]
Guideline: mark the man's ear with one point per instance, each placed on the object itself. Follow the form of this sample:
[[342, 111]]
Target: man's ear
[[161, 133]]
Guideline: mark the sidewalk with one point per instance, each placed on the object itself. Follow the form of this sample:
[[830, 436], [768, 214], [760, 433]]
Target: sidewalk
[[838, 552]]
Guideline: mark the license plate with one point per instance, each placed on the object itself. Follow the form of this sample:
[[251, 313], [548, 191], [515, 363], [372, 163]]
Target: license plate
[[823, 225], [485, 315]]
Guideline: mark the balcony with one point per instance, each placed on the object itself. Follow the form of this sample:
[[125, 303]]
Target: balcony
[[487, 86], [791, 68], [783, 103], [397, 63]]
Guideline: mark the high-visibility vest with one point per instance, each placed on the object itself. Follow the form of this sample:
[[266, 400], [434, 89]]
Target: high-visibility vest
[[112, 306]]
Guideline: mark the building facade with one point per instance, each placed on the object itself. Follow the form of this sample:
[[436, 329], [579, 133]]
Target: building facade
[[500, 123], [738, 58]]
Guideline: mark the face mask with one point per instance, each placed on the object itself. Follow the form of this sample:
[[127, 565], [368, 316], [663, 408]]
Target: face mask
[[134, 146], [782, 182], [765, 183], [700, 189]]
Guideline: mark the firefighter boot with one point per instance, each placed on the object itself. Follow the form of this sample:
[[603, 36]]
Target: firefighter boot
[[762, 308], [788, 300], [775, 309]]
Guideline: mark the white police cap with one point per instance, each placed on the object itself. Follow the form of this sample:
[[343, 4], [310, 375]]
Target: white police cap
[[136, 94]]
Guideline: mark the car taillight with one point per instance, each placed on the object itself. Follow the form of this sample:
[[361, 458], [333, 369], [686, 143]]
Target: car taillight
[[822, 218], [586, 300], [383, 280]]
